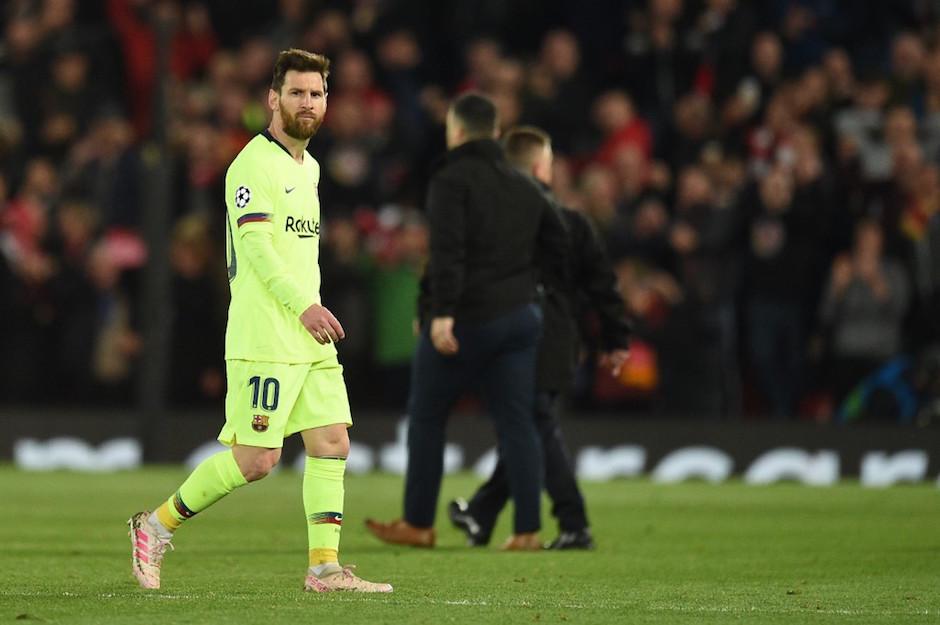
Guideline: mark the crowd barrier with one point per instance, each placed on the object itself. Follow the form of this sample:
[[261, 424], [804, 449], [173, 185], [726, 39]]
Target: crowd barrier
[[603, 447]]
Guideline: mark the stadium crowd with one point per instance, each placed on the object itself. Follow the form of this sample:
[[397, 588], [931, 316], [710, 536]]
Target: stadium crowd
[[764, 174]]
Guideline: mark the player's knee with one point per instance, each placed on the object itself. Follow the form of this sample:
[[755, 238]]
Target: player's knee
[[341, 448], [330, 442], [260, 465], [337, 443]]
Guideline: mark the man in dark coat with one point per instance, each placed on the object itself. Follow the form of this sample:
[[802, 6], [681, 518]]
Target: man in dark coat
[[492, 233], [588, 288]]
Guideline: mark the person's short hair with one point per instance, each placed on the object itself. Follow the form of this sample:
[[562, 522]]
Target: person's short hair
[[524, 144], [476, 113], [300, 61]]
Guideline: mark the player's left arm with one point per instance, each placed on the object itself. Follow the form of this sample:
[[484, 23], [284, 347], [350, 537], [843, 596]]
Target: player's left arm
[[248, 197], [276, 276], [553, 246], [447, 205]]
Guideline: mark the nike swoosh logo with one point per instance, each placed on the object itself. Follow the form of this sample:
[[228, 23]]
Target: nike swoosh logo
[[289, 189]]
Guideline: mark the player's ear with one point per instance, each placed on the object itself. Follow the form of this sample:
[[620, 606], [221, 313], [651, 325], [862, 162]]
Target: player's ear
[[273, 99]]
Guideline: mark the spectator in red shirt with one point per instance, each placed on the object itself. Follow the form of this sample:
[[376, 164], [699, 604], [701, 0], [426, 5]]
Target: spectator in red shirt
[[194, 43], [621, 126]]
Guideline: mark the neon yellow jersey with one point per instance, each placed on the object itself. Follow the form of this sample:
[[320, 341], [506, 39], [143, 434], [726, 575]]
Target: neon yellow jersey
[[272, 252]]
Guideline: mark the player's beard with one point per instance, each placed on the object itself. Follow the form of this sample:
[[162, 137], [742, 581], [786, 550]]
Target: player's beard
[[300, 128]]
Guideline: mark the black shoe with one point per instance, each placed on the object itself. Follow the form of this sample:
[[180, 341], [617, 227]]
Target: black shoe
[[573, 540], [459, 514]]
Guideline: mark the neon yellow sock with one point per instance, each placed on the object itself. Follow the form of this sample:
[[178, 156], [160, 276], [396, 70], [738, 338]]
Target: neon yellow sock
[[214, 478], [323, 504], [323, 556]]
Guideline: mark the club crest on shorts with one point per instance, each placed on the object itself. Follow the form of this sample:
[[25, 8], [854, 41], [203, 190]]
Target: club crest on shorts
[[259, 423]]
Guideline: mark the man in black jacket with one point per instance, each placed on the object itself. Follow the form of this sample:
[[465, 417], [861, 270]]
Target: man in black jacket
[[492, 232], [590, 288]]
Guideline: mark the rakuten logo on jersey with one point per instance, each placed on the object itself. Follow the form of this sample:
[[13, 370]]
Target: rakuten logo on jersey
[[303, 228]]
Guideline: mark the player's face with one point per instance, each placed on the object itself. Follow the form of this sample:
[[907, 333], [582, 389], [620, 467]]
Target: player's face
[[302, 103]]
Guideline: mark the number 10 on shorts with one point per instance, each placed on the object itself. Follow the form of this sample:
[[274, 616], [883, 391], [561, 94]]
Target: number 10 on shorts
[[267, 391]]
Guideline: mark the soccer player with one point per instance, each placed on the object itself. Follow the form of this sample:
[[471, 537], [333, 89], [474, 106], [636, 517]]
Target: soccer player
[[283, 374]]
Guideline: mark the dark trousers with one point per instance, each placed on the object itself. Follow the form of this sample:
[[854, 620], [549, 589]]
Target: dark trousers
[[499, 357], [567, 502]]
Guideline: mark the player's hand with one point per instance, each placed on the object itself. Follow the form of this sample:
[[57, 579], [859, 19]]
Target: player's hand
[[442, 335], [614, 360], [322, 325]]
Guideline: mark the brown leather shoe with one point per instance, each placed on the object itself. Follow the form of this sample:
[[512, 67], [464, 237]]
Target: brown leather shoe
[[523, 542], [401, 532]]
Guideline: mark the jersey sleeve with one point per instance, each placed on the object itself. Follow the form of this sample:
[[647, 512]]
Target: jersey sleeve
[[274, 273], [248, 197]]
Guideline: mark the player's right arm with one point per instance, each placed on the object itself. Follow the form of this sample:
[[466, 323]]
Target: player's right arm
[[248, 198], [597, 282]]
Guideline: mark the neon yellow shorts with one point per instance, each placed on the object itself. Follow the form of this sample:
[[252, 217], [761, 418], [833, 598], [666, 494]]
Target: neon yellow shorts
[[268, 401]]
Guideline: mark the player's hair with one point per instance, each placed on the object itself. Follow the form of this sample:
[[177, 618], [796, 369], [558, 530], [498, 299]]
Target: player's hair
[[523, 145], [300, 61], [477, 114]]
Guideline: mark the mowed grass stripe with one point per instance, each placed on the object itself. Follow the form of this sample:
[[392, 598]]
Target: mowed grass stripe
[[690, 553]]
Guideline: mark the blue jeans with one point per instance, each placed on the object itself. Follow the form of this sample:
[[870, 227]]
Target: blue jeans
[[498, 356]]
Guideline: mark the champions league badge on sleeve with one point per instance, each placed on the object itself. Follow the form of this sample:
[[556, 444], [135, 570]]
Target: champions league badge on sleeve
[[242, 196]]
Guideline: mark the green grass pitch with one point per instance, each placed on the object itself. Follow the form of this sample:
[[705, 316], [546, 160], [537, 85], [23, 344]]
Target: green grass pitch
[[692, 553]]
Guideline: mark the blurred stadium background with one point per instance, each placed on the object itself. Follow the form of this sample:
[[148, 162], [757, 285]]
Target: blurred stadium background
[[764, 174]]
